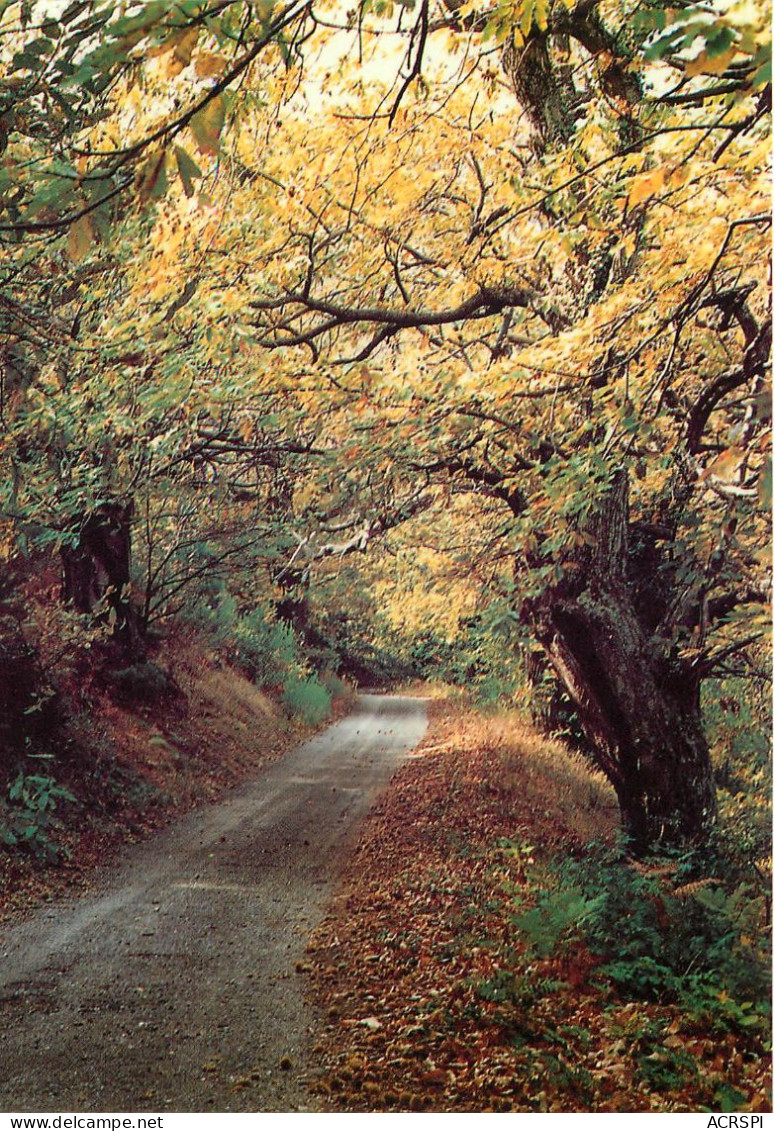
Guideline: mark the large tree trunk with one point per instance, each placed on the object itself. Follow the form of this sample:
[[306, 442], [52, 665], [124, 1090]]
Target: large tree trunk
[[550, 708], [97, 572], [638, 705]]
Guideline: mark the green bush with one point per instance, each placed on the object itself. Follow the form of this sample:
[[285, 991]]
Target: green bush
[[216, 616], [307, 699], [737, 716], [482, 657], [27, 814], [658, 938], [265, 648]]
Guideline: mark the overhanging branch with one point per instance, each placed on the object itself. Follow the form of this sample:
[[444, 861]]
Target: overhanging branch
[[486, 302]]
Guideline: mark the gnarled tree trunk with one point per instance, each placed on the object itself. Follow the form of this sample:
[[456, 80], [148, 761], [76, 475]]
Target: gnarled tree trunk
[[543, 75], [638, 704]]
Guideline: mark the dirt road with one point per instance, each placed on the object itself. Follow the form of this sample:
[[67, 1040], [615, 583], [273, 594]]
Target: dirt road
[[174, 988]]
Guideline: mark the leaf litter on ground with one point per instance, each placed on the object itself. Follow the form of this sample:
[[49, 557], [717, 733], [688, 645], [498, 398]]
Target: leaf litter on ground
[[432, 999]]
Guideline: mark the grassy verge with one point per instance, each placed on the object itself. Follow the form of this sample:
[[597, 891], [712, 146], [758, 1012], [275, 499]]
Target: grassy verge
[[436, 1000]]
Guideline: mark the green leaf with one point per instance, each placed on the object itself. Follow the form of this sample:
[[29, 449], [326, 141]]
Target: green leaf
[[763, 74], [207, 125], [23, 61], [54, 196], [719, 42], [144, 20], [40, 46], [730, 1098]]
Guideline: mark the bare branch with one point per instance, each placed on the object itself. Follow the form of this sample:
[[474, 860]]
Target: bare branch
[[373, 528], [421, 27]]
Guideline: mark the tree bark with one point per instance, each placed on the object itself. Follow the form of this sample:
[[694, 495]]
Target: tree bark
[[542, 74], [538, 84], [638, 704]]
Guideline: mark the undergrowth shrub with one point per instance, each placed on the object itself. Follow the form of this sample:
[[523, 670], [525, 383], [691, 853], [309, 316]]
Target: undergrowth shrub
[[482, 656], [216, 617], [271, 655], [142, 683], [701, 943], [27, 814], [266, 649], [335, 686], [738, 718], [737, 714], [306, 698]]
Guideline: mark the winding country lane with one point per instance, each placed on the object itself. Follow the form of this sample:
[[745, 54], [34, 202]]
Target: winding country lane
[[174, 988]]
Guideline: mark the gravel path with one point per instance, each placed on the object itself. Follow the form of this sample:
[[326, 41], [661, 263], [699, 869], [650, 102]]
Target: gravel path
[[174, 988]]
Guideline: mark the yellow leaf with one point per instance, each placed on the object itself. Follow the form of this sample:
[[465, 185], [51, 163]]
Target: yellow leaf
[[183, 49], [179, 47], [541, 14], [704, 65], [80, 237], [151, 180], [726, 465], [758, 155], [207, 64], [646, 185], [629, 243], [162, 48]]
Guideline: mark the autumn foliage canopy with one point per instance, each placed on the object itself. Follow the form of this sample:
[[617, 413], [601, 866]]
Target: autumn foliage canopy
[[482, 285]]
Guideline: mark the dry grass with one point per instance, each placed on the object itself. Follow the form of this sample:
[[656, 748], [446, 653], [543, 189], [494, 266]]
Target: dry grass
[[555, 787], [225, 691]]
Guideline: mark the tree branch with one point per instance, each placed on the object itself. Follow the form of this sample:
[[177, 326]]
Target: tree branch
[[486, 302]]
